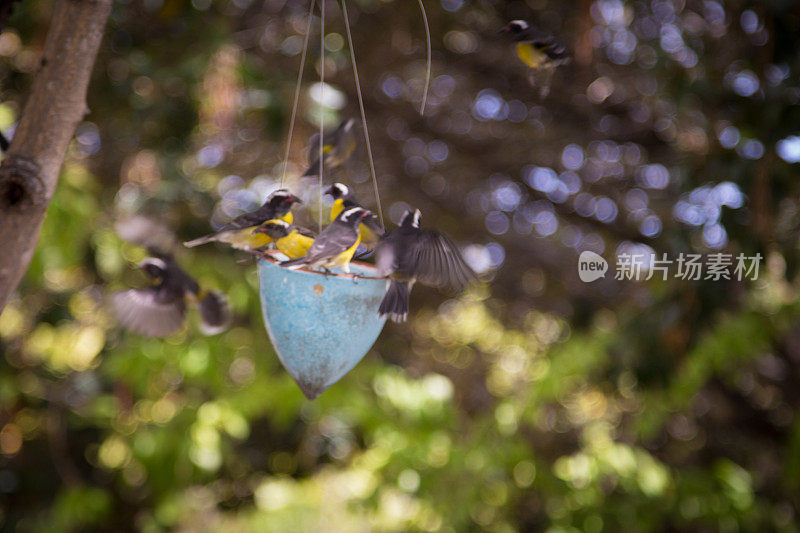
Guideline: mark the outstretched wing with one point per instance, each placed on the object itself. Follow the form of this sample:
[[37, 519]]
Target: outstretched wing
[[144, 312], [439, 263]]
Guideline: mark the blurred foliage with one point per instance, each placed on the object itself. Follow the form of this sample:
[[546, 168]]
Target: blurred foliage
[[534, 402]]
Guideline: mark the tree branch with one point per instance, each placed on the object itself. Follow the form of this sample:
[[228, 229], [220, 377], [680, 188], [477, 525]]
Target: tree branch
[[57, 103]]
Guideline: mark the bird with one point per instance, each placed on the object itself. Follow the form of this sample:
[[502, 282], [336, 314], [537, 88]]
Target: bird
[[409, 254], [160, 310], [539, 50], [239, 231], [337, 243], [337, 147], [292, 241], [370, 229]]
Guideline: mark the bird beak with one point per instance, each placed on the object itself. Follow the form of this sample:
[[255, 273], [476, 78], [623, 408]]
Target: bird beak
[[329, 190], [258, 230], [296, 199], [505, 30]]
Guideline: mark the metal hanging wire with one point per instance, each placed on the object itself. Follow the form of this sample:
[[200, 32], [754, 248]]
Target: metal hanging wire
[[297, 91], [321, 102], [354, 64], [428, 58], [363, 114]]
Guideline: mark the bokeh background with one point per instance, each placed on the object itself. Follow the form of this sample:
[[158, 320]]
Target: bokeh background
[[533, 402]]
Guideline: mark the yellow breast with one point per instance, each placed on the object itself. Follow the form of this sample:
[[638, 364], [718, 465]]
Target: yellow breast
[[368, 237], [343, 259], [530, 56], [294, 245], [244, 239], [338, 207]]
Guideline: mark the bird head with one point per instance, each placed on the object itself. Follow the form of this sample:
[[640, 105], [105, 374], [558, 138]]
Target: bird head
[[275, 228], [515, 27], [338, 190], [411, 219], [282, 200], [154, 267], [354, 215]]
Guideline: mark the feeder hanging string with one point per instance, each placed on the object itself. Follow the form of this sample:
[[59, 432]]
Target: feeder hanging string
[[297, 91], [363, 115]]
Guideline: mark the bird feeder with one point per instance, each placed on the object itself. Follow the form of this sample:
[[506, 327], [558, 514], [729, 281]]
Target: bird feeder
[[320, 325]]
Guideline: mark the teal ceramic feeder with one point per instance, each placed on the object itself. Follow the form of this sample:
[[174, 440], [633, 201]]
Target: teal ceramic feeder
[[320, 325]]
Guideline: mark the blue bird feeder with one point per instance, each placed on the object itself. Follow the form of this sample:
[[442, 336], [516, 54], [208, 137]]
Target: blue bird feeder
[[320, 325]]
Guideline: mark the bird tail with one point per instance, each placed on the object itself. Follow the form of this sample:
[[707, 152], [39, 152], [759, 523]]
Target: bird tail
[[215, 315], [395, 303], [200, 240]]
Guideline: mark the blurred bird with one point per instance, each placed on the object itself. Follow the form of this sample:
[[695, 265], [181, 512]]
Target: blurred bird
[[539, 50], [336, 244], [159, 310], [293, 241], [145, 231], [239, 231], [370, 229], [337, 147], [408, 254]]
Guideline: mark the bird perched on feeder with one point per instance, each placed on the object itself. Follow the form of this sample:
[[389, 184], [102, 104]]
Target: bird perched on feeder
[[370, 229], [539, 50], [337, 243], [408, 254], [337, 147], [293, 241], [239, 231], [159, 310]]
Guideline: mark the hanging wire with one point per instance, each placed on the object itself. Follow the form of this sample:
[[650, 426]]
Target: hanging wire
[[363, 114], [321, 101], [297, 91], [428, 62]]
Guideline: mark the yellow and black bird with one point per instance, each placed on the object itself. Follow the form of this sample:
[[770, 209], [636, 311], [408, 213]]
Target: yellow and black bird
[[539, 50], [337, 147], [159, 310], [370, 229], [239, 231], [408, 254], [292, 241], [337, 243]]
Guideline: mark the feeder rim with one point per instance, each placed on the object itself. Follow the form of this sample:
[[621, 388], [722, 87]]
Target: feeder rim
[[266, 255]]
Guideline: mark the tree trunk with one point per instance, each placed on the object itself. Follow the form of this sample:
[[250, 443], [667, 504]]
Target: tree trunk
[[57, 103]]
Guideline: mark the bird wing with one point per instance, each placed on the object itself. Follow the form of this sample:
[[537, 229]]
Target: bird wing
[[439, 263], [305, 232], [313, 148], [386, 256], [333, 241], [373, 224], [250, 219], [147, 312]]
